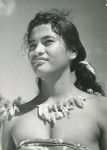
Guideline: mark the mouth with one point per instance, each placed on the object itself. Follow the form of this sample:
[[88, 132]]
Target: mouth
[[41, 58], [39, 61]]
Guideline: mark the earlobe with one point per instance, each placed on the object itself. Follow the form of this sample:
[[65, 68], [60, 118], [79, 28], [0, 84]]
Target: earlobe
[[73, 56]]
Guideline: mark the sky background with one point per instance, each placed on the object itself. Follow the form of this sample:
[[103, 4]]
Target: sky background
[[16, 75]]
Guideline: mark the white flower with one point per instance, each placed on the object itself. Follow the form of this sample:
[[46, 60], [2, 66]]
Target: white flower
[[4, 108], [7, 108]]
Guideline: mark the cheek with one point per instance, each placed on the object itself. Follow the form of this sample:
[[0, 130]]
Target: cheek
[[57, 51], [59, 59]]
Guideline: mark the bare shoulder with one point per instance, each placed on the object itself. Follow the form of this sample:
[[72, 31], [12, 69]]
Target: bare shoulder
[[101, 103], [7, 141], [103, 111], [102, 120], [98, 105]]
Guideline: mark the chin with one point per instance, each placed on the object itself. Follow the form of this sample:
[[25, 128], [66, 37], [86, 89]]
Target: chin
[[46, 71], [43, 72]]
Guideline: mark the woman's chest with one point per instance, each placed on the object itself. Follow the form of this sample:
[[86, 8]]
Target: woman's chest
[[77, 127]]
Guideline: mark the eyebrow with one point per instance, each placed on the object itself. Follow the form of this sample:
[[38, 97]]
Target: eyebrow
[[43, 38], [48, 36]]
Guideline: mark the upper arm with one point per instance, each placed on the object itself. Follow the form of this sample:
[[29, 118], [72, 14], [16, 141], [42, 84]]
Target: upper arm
[[7, 141], [103, 127]]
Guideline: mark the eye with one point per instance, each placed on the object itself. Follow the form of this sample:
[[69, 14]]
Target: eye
[[32, 47], [48, 42]]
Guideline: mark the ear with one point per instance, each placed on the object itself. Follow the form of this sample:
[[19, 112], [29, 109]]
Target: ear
[[73, 56]]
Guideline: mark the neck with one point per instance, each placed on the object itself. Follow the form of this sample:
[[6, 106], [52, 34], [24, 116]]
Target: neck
[[58, 86]]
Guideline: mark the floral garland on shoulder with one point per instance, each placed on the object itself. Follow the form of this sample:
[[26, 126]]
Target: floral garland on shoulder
[[8, 108]]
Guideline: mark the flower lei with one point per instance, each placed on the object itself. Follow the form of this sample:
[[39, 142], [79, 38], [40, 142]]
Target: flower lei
[[8, 108], [50, 112]]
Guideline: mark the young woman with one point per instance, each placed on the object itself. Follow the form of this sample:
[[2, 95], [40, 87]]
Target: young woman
[[63, 116]]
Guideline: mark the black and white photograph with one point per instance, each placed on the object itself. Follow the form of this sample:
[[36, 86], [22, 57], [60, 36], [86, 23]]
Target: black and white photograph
[[53, 74]]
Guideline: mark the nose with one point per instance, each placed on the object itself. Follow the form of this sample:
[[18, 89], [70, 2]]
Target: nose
[[39, 50]]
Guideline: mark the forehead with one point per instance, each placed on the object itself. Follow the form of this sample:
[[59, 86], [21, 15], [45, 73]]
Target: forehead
[[44, 30]]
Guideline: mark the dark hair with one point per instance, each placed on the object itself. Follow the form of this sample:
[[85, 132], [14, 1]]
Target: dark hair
[[62, 25]]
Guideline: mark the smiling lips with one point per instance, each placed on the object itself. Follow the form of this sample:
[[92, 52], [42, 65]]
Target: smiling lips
[[39, 60]]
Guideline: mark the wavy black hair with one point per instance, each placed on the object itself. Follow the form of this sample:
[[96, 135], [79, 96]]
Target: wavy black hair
[[62, 24]]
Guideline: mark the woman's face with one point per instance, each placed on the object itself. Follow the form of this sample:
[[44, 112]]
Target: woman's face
[[47, 52]]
